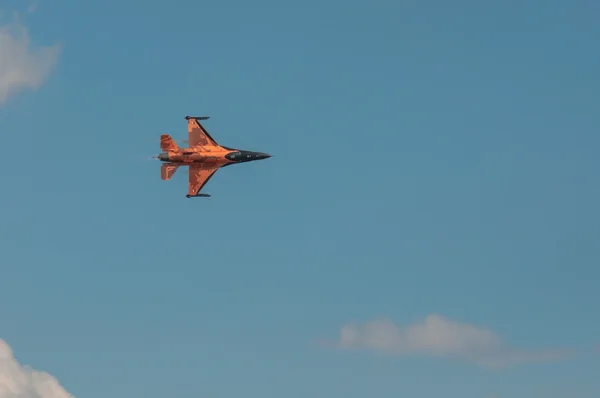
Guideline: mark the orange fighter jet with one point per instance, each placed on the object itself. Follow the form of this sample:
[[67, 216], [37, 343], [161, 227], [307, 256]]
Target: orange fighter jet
[[203, 155]]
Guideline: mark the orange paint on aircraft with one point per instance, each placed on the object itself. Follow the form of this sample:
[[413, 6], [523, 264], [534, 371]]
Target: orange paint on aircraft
[[204, 156]]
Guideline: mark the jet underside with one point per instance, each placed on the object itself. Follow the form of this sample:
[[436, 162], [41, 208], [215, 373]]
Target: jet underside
[[204, 156]]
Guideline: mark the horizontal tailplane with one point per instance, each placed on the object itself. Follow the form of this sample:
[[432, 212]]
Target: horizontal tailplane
[[167, 144], [167, 170]]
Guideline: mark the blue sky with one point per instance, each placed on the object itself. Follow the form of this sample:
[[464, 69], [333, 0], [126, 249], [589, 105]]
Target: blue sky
[[435, 165]]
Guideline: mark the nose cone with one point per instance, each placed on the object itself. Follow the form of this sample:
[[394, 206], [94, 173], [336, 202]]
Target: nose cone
[[246, 156], [163, 157]]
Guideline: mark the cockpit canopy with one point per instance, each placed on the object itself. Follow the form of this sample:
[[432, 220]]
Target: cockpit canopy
[[236, 156]]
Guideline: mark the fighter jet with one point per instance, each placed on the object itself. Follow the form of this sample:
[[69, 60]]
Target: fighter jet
[[204, 156]]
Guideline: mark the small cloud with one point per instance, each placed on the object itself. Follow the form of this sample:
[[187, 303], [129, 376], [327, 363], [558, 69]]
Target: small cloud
[[32, 7], [22, 66], [438, 336], [18, 381]]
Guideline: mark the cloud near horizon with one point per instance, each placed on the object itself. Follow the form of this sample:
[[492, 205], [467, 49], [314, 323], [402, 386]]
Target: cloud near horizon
[[440, 337], [18, 381], [22, 66]]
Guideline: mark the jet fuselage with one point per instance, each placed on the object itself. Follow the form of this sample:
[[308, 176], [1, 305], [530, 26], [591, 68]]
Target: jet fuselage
[[186, 155]]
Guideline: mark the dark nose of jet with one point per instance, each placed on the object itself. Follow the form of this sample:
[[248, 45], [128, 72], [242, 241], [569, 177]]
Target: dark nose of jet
[[240, 156], [163, 157]]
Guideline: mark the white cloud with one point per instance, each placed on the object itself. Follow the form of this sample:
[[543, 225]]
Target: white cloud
[[22, 66], [441, 337], [18, 381]]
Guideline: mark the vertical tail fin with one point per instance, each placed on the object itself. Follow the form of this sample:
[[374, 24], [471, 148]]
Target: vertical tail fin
[[167, 144], [167, 170]]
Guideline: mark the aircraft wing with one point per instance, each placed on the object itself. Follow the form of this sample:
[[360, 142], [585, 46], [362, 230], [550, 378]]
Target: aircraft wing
[[199, 175], [198, 136]]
